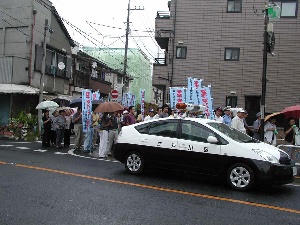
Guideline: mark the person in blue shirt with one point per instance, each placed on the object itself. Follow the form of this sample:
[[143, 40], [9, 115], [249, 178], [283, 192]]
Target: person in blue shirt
[[227, 116]]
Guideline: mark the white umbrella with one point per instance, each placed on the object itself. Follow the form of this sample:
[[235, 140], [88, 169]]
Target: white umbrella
[[47, 105]]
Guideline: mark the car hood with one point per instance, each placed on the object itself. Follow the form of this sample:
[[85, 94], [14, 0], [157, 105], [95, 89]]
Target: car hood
[[265, 147]]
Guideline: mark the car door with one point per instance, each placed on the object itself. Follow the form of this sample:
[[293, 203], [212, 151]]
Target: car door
[[196, 153], [160, 142]]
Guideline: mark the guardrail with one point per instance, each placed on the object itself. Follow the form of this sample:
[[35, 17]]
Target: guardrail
[[293, 151]]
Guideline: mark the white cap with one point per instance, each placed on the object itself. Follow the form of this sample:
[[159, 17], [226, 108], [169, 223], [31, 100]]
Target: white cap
[[125, 112], [241, 111]]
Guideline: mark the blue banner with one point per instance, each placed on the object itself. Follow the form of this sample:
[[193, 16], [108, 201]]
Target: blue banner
[[86, 109], [142, 96], [96, 95], [193, 91], [207, 102], [173, 97]]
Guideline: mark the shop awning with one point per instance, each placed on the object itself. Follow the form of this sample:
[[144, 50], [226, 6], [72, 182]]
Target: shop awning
[[18, 89]]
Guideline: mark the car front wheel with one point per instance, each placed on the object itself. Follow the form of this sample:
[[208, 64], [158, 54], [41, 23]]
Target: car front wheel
[[134, 163], [240, 177]]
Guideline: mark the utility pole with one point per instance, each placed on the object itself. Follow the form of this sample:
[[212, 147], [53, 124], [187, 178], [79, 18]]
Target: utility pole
[[271, 11], [264, 77], [126, 51], [125, 80], [46, 28]]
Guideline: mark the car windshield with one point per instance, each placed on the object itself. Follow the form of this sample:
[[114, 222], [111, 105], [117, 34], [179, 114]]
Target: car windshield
[[232, 133]]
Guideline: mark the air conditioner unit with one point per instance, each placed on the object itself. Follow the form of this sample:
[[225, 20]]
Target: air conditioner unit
[[53, 70]]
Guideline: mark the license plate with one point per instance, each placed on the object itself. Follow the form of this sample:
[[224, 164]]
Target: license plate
[[294, 171]]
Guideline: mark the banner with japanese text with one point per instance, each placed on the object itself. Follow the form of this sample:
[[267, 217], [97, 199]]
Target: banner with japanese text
[[142, 96], [128, 100], [173, 97], [193, 91], [95, 95], [180, 95], [86, 109], [207, 102]]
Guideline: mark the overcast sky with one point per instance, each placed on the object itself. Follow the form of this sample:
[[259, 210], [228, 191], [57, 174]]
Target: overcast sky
[[107, 22]]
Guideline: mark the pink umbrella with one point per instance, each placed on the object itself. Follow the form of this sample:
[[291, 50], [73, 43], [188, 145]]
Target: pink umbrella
[[292, 111]]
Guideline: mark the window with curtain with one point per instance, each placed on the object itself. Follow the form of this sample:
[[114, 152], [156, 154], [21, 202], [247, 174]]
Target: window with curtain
[[232, 54], [234, 6], [289, 8]]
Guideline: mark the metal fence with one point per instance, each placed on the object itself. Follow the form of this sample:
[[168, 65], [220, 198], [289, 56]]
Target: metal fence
[[293, 151]]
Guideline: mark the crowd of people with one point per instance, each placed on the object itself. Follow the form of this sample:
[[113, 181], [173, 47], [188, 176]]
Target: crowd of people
[[104, 128], [270, 130]]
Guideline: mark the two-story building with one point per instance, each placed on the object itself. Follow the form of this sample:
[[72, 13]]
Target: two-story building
[[221, 42], [23, 25]]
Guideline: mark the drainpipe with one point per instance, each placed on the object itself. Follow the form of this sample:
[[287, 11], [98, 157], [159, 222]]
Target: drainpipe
[[31, 47]]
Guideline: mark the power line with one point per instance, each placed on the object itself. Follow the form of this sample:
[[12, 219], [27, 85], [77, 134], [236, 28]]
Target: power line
[[81, 32], [119, 28]]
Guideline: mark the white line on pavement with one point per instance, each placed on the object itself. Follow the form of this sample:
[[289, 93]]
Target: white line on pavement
[[61, 153], [6, 145], [40, 150], [87, 157], [20, 142], [295, 185], [22, 148]]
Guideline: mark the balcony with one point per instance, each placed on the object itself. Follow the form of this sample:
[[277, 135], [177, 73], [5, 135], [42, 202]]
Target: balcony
[[160, 61], [163, 29], [82, 79]]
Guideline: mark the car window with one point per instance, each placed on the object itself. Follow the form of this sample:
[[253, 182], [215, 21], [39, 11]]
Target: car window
[[163, 128], [232, 133], [194, 132], [143, 129]]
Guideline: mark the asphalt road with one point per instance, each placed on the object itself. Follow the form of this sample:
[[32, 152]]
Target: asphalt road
[[55, 187]]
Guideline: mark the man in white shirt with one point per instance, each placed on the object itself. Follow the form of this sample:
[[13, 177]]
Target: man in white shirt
[[237, 122], [150, 116]]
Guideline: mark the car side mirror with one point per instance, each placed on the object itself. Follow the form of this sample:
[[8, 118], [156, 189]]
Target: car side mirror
[[212, 140]]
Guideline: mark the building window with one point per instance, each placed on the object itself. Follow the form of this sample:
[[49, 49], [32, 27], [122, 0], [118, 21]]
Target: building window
[[181, 52], [234, 6], [231, 101], [289, 8], [232, 54]]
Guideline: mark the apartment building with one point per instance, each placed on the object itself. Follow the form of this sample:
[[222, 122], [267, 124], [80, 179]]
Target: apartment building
[[221, 42]]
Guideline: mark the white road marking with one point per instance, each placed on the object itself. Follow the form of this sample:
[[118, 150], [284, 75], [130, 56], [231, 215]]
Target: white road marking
[[22, 148], [60, 153], [40, 150], [6, 145], [20, 142], [94, 158], [294, 185]]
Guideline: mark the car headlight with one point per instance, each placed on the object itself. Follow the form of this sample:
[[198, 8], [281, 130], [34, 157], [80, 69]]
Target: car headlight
[[267, 156]]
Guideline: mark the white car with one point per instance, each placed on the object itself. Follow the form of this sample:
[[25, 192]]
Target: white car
[[203, 146]]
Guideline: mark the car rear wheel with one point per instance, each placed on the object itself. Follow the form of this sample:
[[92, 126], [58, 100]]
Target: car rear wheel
[[134, 163], [240, 177]]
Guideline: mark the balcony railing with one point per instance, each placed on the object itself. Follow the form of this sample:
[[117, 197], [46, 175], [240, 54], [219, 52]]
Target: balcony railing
[[82, 79], [160, 61], [163, 15]]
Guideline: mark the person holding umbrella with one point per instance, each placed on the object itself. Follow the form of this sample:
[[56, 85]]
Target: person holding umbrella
[[47, 129], [60, 128], [105, 125], [289, 131]]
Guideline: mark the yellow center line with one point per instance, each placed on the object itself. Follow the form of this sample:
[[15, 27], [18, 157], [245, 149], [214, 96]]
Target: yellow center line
[[161, 189]]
